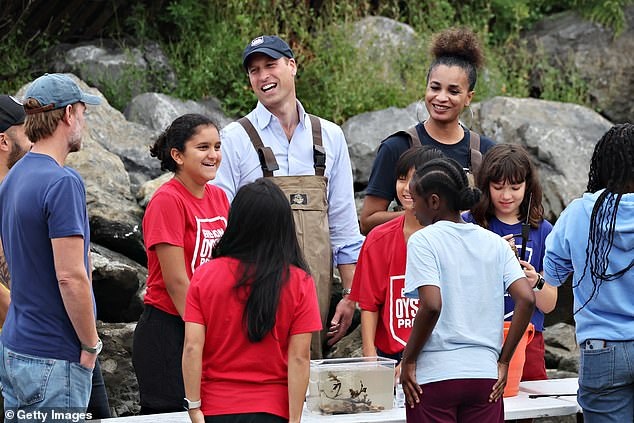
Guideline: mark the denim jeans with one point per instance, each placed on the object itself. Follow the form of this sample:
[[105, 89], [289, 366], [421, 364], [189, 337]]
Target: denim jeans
[[606, 382], [31, 383]]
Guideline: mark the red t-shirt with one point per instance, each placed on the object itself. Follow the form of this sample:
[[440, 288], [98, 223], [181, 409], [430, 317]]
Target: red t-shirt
[[174, 216], [378, 284], [239, 376]]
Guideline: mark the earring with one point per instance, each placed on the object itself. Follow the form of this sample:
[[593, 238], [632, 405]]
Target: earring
[[471, 114], [419, 109]]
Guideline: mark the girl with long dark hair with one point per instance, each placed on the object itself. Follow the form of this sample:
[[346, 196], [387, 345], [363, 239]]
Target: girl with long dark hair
[[594, 240], [249, 316], [184, 219]]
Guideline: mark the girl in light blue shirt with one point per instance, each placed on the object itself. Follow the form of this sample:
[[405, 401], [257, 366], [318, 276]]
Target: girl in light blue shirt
[[594, 240]]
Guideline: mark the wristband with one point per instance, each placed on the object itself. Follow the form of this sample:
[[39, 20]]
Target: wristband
[[540, 283]]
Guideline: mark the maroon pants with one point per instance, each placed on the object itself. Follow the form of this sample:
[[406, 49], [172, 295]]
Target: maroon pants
[[458, 400]]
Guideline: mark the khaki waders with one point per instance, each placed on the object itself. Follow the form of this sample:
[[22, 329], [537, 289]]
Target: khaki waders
[[308, 197]]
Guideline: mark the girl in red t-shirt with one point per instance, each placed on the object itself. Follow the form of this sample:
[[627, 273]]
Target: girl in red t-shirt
[[183, 221], [386, 315], [249, 316]]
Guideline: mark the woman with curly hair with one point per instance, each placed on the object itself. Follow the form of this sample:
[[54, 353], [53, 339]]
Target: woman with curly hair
[[451, 81]]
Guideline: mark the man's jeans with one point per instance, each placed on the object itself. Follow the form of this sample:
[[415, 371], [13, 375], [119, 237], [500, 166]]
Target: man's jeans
[[606, 381], [32, 383]]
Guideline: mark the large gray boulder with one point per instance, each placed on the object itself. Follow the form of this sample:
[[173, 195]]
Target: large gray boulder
[[123, 70], [118, 284], [561, 348], [604, 61], [116, 366], [128, 140], [115, 216], [386, 43], [157, 111], [383, 34], [560, 137], [365, 132]]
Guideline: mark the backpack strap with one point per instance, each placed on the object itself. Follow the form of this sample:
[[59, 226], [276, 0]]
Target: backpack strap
[[265, 154], [410, 133], [475, 156], [319, 153]]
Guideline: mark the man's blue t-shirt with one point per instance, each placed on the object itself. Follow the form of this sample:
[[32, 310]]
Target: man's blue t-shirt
[[39, 201], [382, 181], [535, 250]]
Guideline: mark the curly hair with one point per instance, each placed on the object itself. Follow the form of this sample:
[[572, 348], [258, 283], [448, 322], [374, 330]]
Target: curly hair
[[457, 47]]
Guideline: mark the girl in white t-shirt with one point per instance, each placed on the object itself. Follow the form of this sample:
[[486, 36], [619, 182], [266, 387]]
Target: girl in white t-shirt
[[454, 367]]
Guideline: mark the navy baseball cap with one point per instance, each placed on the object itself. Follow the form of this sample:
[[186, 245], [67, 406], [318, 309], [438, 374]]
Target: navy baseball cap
[[11, 112], [55, 91], [271, 45]]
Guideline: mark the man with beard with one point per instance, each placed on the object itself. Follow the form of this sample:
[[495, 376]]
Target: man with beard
[[13, 145], [49, 343]]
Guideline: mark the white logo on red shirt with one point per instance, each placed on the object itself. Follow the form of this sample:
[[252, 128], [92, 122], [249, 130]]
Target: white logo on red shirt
[[402, 310], [208, 233]]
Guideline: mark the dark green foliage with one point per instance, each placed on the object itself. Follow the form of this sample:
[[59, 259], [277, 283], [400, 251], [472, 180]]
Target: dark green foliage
[[204, 41]]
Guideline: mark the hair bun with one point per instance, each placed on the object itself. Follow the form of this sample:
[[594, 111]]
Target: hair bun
[[468, 198], [458, 42]]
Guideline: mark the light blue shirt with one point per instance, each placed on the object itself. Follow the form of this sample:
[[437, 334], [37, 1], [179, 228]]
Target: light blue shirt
[[473, 268], [609, 315], [240, 165]]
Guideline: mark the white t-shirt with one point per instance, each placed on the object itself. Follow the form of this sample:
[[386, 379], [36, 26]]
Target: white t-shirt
[[473, 268]]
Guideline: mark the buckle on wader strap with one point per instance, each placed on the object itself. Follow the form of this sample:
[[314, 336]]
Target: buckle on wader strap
[[267, 157]]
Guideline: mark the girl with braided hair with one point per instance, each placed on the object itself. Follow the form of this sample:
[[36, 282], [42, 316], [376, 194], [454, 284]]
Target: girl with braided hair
[[594, 240], [454, 367]]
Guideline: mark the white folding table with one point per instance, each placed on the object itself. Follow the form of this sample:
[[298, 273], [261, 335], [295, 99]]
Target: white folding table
[[518, 407]]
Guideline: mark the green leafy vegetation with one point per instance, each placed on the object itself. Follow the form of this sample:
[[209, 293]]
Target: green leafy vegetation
[[337, 79]]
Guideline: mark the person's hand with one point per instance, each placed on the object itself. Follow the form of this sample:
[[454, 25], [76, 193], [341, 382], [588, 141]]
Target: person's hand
[[511, 240], [530, 272], [397, 374], [196, 415], [341, 321], [87, 359], [500, 384], [411, 388]]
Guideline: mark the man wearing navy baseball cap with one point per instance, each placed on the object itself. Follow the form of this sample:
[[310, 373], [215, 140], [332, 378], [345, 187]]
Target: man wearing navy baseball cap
[[13, 141], [50, 327], [292, 143]]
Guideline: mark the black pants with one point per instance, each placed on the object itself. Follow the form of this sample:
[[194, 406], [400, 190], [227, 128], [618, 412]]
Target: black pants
[[157, 352], [98, 405], [245, 418]]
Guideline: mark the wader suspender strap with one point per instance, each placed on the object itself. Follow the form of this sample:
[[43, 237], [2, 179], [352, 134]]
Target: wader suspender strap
[[475, 156], [265, 154], [267, 157]]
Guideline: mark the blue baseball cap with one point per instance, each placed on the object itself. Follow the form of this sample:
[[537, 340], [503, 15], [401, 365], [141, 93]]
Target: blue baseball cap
[[55, 91], [271, 45]]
